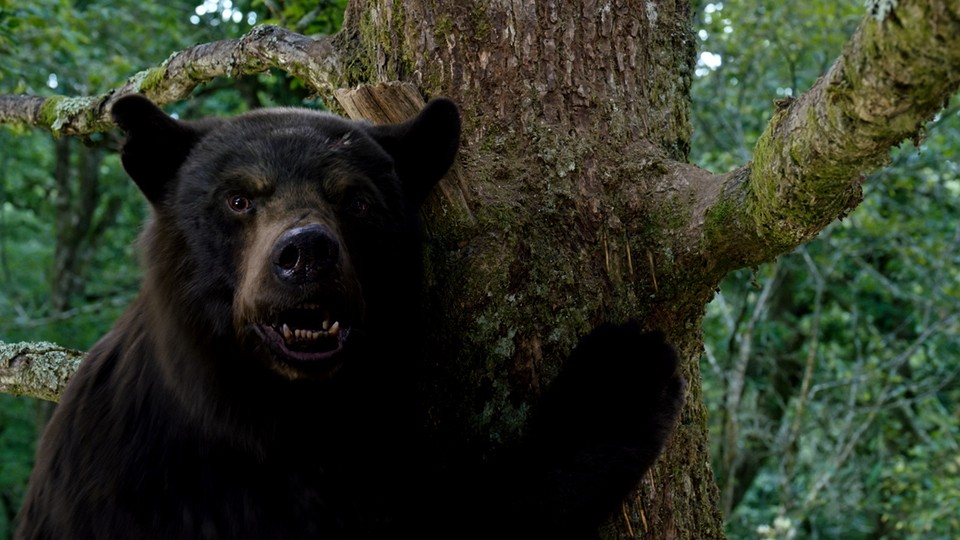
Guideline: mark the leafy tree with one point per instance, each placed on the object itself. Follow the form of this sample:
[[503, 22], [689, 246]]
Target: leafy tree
[[574, 203]]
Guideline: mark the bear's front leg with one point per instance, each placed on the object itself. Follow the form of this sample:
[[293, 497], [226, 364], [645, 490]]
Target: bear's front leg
[[599, 428], [619, 387]]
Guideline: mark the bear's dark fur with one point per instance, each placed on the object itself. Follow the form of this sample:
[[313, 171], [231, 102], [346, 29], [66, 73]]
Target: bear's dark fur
[[260, 387]]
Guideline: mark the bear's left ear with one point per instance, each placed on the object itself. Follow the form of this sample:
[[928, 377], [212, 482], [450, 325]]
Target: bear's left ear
[[423, 148], [156, 145]]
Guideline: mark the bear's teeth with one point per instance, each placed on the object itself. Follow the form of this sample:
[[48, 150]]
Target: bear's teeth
[[299, 333], [304, 334]]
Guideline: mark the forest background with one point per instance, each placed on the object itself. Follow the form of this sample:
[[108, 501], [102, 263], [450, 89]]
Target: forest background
[[831, 375]]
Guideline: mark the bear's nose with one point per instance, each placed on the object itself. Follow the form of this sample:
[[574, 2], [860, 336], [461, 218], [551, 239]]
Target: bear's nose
[[304, 254]]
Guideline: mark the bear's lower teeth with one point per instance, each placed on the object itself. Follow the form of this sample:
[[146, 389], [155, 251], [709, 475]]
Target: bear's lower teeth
[[301, 334]]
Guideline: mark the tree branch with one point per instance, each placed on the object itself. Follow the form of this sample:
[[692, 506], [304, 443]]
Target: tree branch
[[315, 62], [39, 370], [892, 77]]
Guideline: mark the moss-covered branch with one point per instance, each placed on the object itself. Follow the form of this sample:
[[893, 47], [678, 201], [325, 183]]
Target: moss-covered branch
[[315, 62], [893, 76], [38, 370]]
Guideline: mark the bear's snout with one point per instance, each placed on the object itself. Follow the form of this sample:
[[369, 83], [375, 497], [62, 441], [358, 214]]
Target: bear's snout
[[305, 254]]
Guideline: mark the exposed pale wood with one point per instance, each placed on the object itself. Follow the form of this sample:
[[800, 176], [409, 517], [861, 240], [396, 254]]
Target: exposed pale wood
[[393, 102], [383, 103]]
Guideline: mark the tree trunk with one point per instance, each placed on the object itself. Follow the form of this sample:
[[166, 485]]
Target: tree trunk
[[574, 114]]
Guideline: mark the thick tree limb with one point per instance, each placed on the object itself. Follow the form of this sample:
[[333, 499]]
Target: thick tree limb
[[39, 369], [315, 62], [893, 76]]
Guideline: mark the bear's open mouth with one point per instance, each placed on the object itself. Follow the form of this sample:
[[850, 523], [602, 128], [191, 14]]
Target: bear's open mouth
[[306, 333]]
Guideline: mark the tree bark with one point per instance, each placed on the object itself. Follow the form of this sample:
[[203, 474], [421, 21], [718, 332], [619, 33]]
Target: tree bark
[[39, 370], [573, 204]]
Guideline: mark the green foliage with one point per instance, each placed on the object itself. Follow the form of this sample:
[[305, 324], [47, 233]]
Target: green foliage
[[45, 57], [17, 436], [312, 18], [848, 421], [27, 234]]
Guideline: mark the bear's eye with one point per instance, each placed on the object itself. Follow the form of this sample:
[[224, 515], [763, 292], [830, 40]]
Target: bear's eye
[[239, 203], [359, 206]]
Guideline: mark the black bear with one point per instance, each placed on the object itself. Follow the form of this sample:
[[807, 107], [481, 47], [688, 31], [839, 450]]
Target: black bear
[[259, 386]]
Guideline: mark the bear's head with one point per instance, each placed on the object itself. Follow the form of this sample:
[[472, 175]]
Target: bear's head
[[287, 236]]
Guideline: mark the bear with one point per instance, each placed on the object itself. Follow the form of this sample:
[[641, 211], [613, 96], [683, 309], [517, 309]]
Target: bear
[[260, 385]]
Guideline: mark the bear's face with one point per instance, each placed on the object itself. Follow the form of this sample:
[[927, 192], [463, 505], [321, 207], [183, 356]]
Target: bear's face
[[286, 232], [301, 223]]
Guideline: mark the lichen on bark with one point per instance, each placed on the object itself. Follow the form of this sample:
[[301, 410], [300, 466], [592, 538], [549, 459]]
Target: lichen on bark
[[37, 369]]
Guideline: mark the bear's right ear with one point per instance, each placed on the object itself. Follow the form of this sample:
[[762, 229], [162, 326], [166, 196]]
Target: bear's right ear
[[156, 145]]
